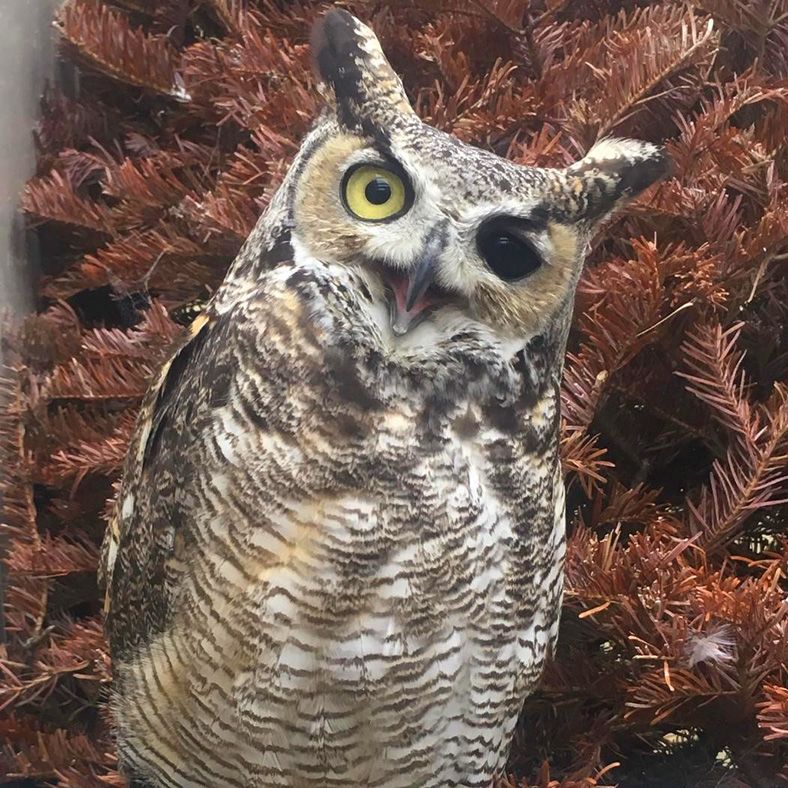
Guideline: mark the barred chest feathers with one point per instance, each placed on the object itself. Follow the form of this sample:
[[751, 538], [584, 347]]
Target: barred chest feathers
[[381, 616]]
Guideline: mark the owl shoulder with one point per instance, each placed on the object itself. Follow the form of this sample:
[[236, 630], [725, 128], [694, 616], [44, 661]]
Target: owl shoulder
[[265, 327]]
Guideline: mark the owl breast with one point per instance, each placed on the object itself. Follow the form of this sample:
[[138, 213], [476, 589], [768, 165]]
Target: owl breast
[[368, 577]]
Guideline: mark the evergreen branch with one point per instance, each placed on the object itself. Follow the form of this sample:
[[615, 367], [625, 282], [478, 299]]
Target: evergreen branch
[[612, 329], [105, 40], [18, 527], [716, 376], [751, 476], [73, 756], [52, 557], [54, 198], [221, 215], [161, 258], [158, 181], [18, 513], [580, 455], [112, 366], [231, 13], [68, 124], [711, 619], [754, 21], [707, 132], [773, 712], [257, 79], [92, 380], [642, 62], [621, 505], [147, 7], [97, 448]]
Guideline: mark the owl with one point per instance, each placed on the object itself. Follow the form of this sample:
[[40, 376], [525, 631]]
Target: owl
[[336, 554]]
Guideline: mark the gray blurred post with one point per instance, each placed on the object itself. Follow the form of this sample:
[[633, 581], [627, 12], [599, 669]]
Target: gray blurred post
[[26, 58]]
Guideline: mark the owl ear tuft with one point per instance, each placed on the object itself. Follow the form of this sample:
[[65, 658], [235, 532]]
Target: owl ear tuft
[[355, 78], [612, 173]]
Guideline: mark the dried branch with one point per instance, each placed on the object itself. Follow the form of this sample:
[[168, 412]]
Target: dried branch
[[105, 41], [751, 476], [773, 712], [612, 328], [673, 433], [53, 198], [716, 376]]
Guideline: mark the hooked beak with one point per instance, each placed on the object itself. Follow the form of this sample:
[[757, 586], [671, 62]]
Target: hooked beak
[[419, 280], [412, 294]]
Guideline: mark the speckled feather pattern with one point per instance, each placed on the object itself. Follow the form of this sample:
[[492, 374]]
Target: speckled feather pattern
[[358, 585], [336, 554]]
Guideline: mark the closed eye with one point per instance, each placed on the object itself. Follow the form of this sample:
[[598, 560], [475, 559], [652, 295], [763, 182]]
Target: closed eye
[[505, 248]]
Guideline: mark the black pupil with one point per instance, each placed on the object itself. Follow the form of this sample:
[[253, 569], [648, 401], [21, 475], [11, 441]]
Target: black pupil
[[508, 256], [378, 191]]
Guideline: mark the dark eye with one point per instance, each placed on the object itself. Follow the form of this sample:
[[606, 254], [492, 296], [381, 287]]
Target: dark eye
[[378, 191], [375, 193], [508, 255]]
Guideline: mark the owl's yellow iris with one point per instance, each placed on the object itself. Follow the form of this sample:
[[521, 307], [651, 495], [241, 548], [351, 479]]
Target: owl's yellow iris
[[374, 194]]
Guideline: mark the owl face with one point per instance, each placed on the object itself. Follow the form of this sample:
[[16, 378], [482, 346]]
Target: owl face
[[445, 234]]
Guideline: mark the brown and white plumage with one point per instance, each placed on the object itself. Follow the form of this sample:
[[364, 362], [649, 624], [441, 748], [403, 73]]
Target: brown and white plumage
[[336, 554]]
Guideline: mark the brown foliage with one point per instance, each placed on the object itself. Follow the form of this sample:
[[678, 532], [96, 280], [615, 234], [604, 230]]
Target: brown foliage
[[671, 667]]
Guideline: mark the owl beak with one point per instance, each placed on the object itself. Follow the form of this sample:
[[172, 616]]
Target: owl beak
[[414, 292], [411, 296], [419, 281]]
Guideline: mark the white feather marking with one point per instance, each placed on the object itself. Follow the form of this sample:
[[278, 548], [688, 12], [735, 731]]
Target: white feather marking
[[716, 645], [128, 507], [112, 554], [613, 148], [142, 440]]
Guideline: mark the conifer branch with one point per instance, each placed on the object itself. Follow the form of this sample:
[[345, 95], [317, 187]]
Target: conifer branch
[[773, 712], [751, 476], [644, 62], [53, 557], [161, 259], [18, 528], [580, 455], [53, 198], [752, 473], [716, 376], [105, 41], [612, 329], [673, 432]]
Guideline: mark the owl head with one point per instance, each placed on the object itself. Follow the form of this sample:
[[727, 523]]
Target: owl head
[[448, 236]]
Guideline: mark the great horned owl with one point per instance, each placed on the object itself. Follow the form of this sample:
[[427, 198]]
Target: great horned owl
[[336, 555]]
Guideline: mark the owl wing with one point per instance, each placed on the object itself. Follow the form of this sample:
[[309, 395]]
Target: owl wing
[[137, 567], [140, 568]]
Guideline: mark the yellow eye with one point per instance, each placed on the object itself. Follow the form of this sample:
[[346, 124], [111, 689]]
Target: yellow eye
[[373, 193]]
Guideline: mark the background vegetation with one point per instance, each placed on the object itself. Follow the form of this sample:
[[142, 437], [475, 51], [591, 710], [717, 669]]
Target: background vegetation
[[162, 146]]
